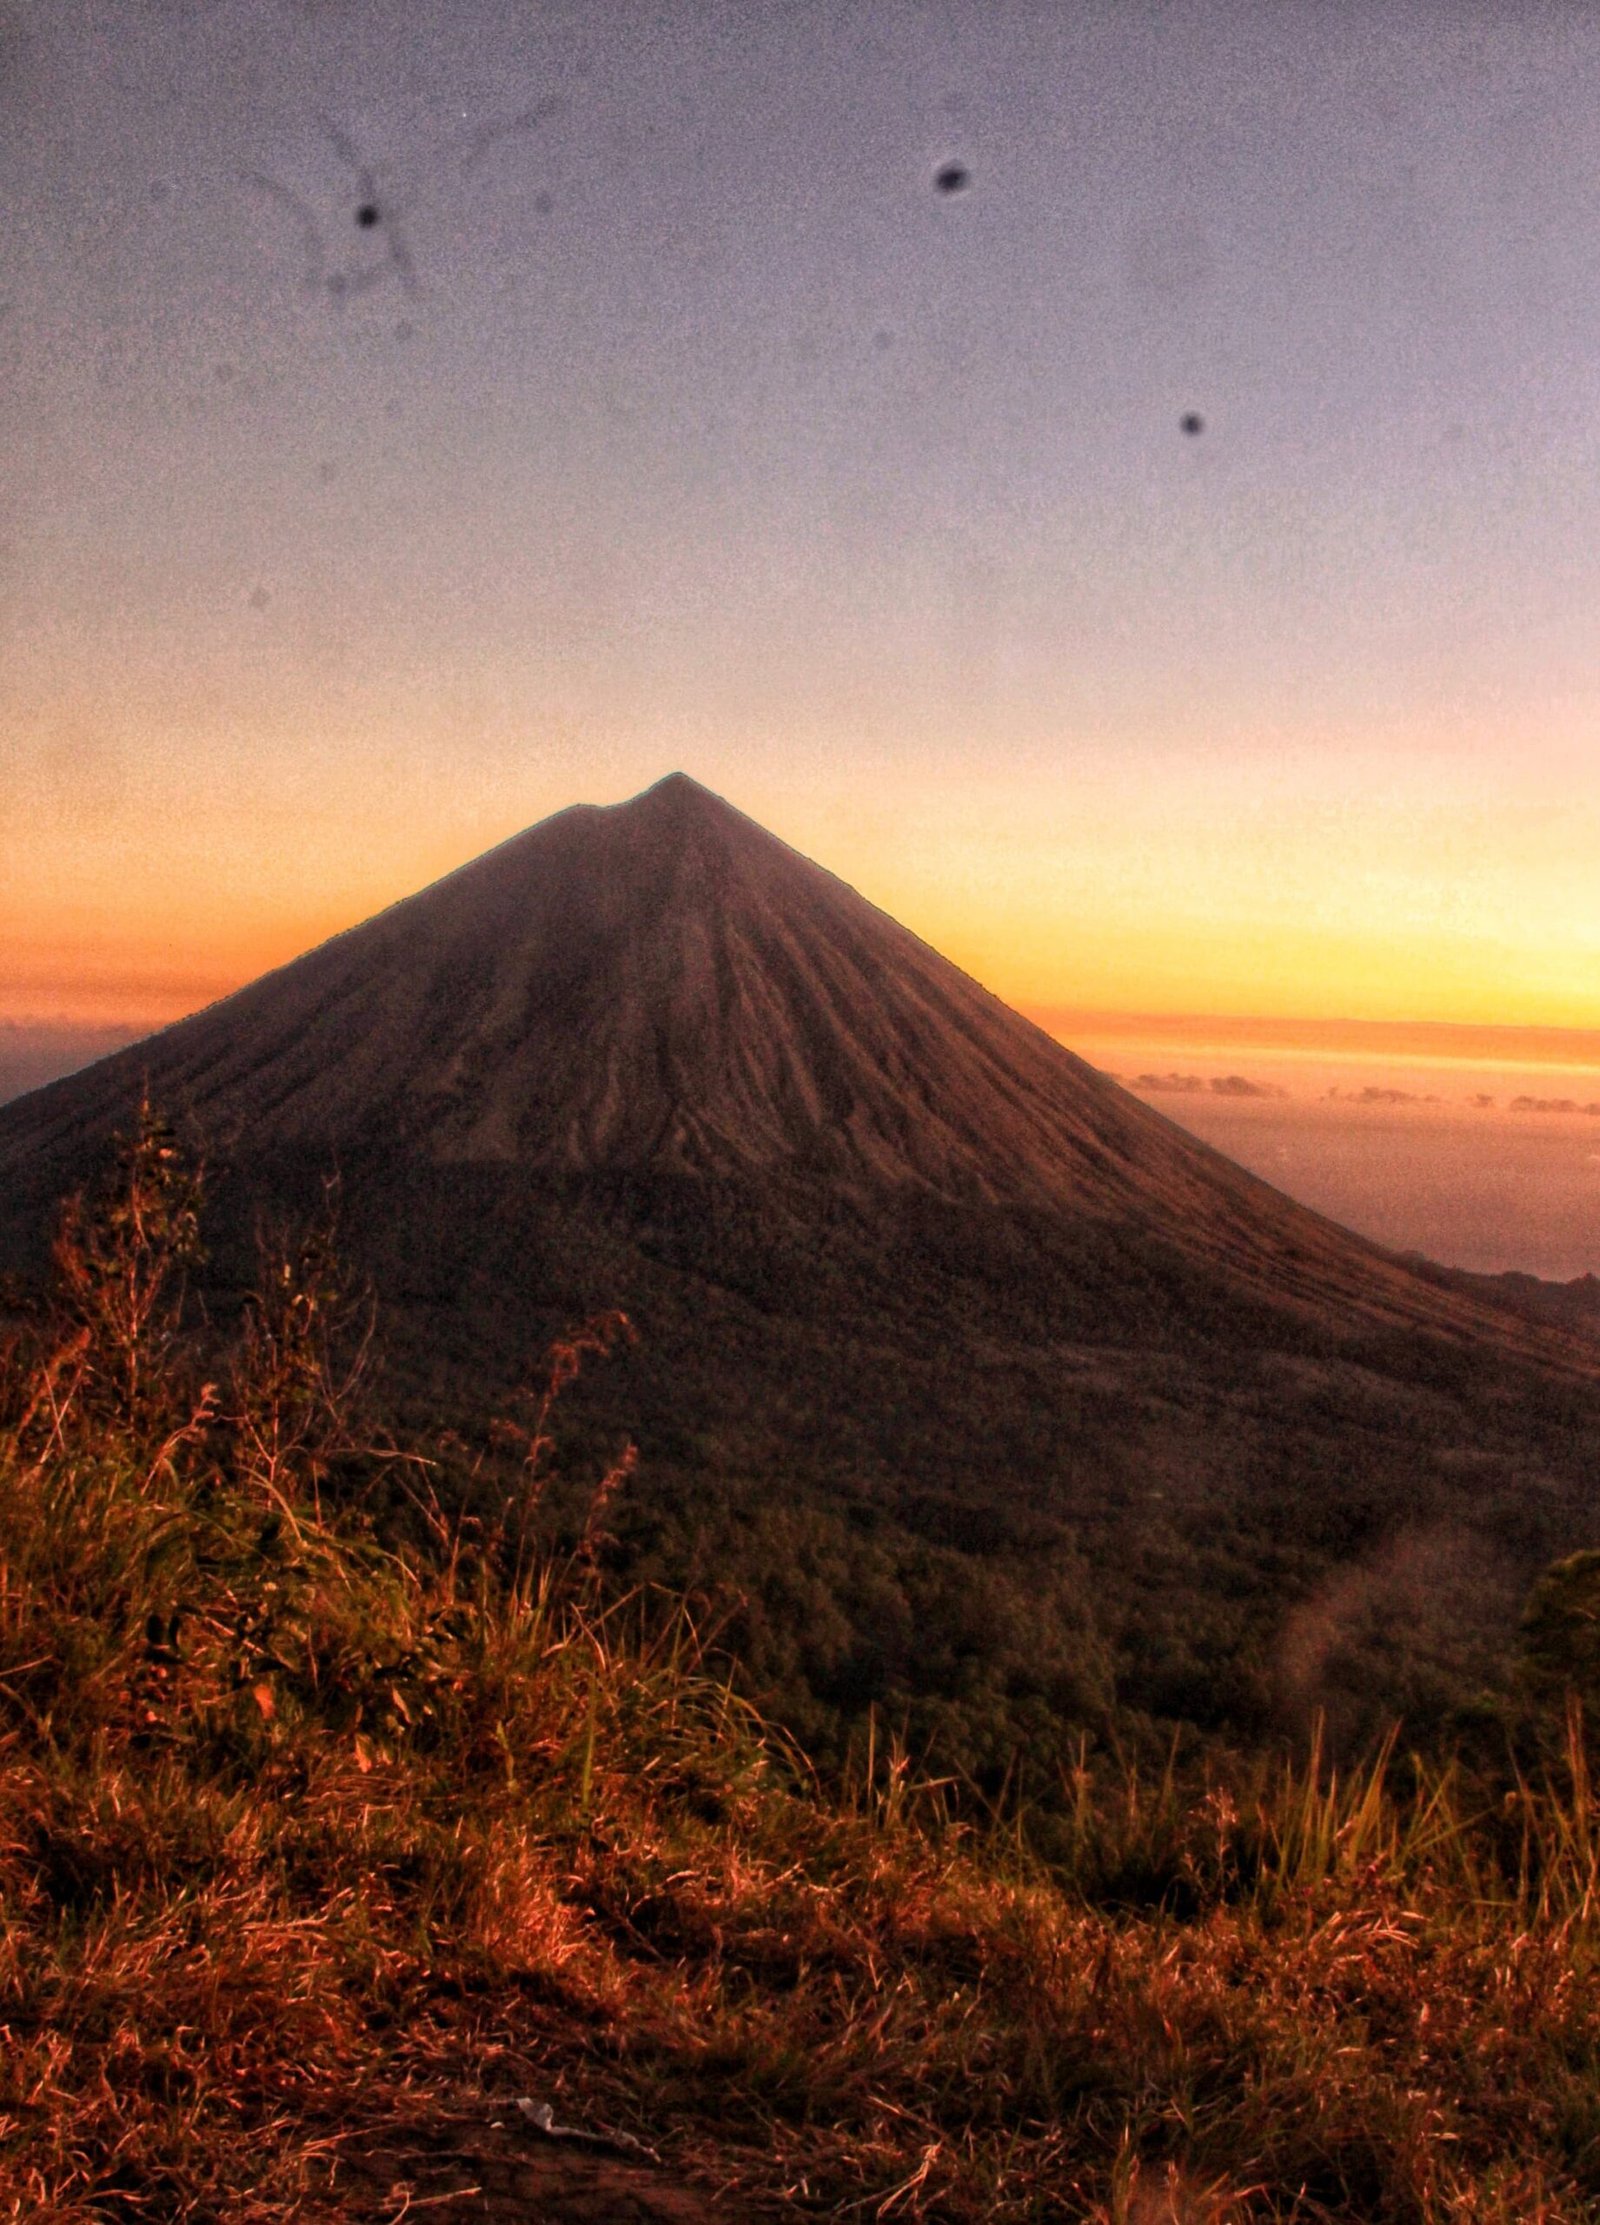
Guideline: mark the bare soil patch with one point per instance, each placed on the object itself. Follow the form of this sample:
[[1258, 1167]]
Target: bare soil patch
[[483, 2164]]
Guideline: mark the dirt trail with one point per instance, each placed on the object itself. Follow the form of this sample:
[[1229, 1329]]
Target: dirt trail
[[488, 2168]]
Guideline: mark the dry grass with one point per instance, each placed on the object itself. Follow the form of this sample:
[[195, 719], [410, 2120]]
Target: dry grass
[[302, 1831]]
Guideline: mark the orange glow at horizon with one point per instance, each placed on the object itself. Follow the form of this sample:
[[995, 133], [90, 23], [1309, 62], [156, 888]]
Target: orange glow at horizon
[[1086, 899]]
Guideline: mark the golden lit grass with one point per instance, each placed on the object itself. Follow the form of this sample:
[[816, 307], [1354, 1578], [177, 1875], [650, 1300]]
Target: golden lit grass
[[303, 1834]]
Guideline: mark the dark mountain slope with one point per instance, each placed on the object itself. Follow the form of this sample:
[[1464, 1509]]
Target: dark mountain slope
[[975, 1380]]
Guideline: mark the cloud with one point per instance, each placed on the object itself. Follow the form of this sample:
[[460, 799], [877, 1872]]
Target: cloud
[[1374, 1095], [1553, 1104], [1235, 1085], [1195, 1085]]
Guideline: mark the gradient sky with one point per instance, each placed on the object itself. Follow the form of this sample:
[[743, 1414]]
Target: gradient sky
[[669, 417]]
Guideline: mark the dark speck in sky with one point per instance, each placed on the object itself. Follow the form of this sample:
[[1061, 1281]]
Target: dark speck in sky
[[367, 215], [952, 177], [1192, 422]]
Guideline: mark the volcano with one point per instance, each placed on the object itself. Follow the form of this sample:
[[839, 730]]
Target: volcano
[[903, 1266], [663, 988]]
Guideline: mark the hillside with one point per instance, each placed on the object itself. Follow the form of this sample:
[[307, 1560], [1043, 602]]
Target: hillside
[[354, 1877], [966, 1386]]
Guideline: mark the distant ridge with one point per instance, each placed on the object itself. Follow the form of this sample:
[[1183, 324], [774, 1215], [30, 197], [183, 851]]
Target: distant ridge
[[662, 986]]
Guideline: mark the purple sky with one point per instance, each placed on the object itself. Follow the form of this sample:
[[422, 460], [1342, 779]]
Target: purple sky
[[668, 415]]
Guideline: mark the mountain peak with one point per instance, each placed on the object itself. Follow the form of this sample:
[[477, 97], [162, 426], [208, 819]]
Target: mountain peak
[[672, 788], [681, 805], [680, 796]]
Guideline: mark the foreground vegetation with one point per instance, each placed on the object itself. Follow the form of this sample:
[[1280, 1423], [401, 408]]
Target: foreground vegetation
[[323, 1809]]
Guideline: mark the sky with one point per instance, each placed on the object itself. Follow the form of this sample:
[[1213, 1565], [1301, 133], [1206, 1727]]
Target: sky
[[418, 417]]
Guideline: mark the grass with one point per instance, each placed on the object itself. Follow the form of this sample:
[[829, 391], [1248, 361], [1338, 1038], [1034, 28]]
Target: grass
[[311, 1821]]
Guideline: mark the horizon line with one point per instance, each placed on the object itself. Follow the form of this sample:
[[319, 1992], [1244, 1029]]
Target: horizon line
[[1536, 1041], [1510, 1041]]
